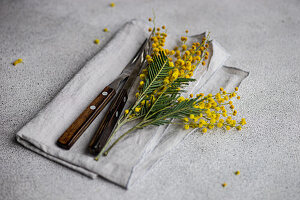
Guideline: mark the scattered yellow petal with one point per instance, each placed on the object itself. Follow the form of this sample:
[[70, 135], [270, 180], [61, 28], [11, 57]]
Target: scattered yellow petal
[[17, 61], [237, 173], [224, 184], [97, 41], [112, 4], [105, 30]]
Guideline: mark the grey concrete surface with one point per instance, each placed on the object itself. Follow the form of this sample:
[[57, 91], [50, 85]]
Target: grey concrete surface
[[55, 38]]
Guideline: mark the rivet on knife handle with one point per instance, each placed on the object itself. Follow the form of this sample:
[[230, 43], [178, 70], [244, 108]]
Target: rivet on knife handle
[[108, 123], [72, 134]]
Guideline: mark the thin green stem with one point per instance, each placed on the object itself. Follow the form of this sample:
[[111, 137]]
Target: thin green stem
[[114, 132], [163, 117], [117, 140], [157, 112], [146, 117]]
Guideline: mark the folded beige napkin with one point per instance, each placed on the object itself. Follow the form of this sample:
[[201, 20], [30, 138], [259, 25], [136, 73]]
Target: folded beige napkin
[[136, 153]]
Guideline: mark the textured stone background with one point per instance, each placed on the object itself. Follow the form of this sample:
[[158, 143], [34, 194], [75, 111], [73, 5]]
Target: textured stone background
[[55, 38]]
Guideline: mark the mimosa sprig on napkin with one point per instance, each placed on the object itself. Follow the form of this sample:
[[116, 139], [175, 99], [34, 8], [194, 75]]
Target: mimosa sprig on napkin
[[159, 101]]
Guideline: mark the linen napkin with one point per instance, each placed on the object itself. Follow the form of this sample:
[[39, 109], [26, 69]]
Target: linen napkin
[[133, 156]]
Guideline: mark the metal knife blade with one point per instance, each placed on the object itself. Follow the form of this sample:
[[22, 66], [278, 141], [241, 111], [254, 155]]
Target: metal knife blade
[[131, 66]]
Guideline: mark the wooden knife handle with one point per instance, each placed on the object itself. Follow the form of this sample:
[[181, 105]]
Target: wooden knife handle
[[72, 134], [108, 123]]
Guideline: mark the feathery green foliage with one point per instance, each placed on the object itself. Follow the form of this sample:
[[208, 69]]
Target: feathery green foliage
[[162, 98]]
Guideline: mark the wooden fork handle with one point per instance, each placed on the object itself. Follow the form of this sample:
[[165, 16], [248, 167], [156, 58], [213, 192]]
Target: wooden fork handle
[[72, 134], [108, 123]]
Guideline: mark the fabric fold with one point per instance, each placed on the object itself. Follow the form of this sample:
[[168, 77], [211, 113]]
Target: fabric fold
[[137, 153]]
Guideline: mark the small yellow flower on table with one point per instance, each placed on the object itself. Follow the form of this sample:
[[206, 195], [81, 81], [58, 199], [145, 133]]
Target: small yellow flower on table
[[96, 41], [17, 61]]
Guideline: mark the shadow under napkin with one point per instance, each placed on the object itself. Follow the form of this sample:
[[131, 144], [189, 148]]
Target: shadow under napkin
[[134, 155]]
